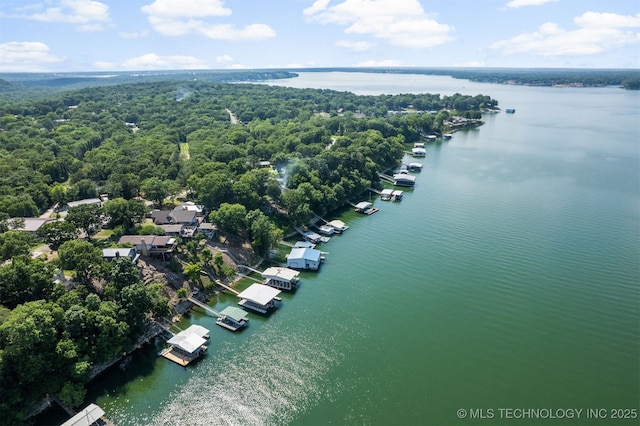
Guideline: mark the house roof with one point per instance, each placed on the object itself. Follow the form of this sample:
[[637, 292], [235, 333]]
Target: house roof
[[77, 203], [404, 177], [32, 224], [119, 252], [387, 191], [234, 312], [150, 240], [182, 214], [259, 293], [280, 273], [305, 253], [161, 217], [171, 228]]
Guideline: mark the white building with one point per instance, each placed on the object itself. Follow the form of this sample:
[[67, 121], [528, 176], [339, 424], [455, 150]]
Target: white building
[[304, 258]]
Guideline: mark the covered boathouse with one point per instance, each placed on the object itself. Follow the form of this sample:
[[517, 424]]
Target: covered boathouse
[[404, 179], [187, 345], [91, 415], [281, 278], [304, 258], [232, 318], [259, 298]]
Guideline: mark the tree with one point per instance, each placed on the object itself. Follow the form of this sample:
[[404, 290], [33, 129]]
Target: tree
[[125, 213], [88, 217], [230, 217], [56, 233], [25, 279], [15, 243], [155, 189], [82, 257], [264, 234]]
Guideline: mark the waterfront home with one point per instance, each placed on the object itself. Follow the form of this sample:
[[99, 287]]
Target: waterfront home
[[187, 345], [281, 278], [404, 179], [338, 225], [232, 318], [386, 194], [259, 298], [174, 230], [304, 258]]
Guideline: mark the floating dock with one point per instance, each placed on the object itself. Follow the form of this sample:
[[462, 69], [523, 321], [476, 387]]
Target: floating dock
[[232, 318], [365, 207], [259, 298], [187, 345], [281, 278]]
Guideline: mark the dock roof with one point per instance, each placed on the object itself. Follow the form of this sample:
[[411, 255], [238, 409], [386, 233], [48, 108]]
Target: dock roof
[[259, 293], [234, 312], [280, 273], [305, 253], [364, 205], [87, 417], [188, 342], [198, 330]]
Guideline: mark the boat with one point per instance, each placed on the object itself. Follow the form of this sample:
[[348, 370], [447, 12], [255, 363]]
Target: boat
[[447, 136], [510, 110]]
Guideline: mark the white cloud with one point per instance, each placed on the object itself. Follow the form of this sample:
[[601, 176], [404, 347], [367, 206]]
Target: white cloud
[[133, 35], [89, 15], [596, 33], [225, 59], [521, 3], [400, 22], [382, 63], [182, 17], [359, 46], [176, 9], [155, 62], [26, 56]]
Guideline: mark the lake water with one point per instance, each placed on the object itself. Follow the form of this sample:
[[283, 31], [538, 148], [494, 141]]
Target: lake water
[[507, 279]]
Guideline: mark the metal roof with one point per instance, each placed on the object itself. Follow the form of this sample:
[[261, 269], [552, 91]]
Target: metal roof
[[198, 330], [305, 253], [188, 342], [280, 273], [87, 417], [234, 312], [259, 293]]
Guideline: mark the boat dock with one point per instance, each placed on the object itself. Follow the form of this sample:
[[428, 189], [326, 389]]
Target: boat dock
[[187, 345]]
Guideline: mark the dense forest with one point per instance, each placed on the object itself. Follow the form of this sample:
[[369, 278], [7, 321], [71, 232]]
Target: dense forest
[[149, 142], [576, 77]]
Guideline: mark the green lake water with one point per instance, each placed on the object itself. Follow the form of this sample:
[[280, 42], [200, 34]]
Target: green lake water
[[508, 278]]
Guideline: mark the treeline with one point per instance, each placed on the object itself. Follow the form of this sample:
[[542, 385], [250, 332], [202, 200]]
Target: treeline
[[626, 78], [149, 141]]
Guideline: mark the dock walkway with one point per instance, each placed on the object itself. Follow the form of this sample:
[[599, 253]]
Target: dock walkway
[[204, 306]]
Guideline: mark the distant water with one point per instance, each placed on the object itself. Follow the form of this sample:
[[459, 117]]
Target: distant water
[[508, 278]]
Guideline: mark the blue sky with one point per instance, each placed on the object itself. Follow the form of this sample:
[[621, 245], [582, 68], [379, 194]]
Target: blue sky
[[126, 35]]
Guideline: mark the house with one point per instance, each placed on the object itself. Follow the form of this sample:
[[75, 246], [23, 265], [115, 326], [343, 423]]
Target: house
[[181, 215], [304, 258], [209, 230], [151, 245], [114, 253], [174, 230]]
